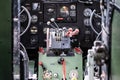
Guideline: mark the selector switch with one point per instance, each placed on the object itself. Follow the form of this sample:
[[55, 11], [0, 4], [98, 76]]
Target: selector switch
[[60, 61]]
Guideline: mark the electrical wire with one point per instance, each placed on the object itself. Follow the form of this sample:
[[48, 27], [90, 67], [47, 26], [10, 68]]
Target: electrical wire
[[64, 70], [26, 71], [97, 15], [52, 26], [29, 20], [56, 24], [105, 30], [98, 33], [49, 23], [53, 20], [23, 54], [23, 47], [26, 61], [21, 12], [91, 25], [97, 38], [102, 26]]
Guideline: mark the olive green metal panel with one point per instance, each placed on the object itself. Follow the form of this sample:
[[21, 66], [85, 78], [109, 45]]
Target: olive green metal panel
[[117, 2], [5, 40], [116, 47], [51, 63]]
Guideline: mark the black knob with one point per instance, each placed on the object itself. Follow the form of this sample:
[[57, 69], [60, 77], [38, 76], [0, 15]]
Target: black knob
[[60, 61]]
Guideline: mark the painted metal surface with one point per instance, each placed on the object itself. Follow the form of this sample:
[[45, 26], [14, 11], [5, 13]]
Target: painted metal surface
[[51, 64], [115, 56], [5, 40]]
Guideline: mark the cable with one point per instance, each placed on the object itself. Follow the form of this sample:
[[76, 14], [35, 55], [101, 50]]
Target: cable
[[23, 47], [98, 35], [21, 12], [97, 15], [91, 22], [29, 20], [52, 26], [56, 24], [23, 54], [26, 71], [64, 70], [105, 30], [53, 20], [26, 61], [49, 23]]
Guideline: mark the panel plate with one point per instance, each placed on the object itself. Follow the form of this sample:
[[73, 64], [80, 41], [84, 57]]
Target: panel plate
[[51, 63]]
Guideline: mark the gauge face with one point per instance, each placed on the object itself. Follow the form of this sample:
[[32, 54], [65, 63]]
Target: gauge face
[[34, 19], [87, 12], [73, 7], [64, 11]]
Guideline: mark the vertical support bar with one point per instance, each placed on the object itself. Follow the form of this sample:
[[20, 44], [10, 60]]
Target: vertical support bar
[[90, 64], [16, 39]]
